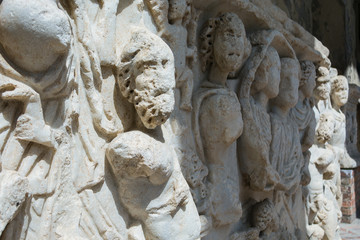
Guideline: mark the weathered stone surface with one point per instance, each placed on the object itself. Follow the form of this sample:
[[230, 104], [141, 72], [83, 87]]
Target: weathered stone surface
[[179, 119]]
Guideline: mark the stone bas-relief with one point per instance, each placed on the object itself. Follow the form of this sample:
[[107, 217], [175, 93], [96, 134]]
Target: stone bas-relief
[[224, 47], [177, 119]]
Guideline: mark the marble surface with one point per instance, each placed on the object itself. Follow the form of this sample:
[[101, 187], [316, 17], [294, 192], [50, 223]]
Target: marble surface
[[178, 119]]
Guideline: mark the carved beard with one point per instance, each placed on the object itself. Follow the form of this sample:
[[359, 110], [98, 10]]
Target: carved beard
[[322, 92], [151, 94], [153, 110]]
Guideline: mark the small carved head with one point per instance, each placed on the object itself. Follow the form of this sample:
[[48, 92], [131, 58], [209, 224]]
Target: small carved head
[[145, 75], [224, 42], [322, 88], [339, 90], [325, 128], [307, 80], [263, 215], [289, 84], [178, 9]]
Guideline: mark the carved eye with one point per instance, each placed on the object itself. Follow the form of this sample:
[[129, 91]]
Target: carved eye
[[164, 62], [230, 33], [150, 64]]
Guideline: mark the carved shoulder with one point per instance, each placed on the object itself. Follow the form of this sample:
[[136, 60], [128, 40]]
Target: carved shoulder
[[220, 117]]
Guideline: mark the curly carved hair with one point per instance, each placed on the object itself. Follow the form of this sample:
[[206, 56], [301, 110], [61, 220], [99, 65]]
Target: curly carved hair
[[263, 215], [322, 74], [207, 37], [337, 82], [307, 70], [153, 99]]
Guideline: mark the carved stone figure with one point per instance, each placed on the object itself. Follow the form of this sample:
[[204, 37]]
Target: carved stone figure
[[303, 115], [284, 161], [149, 178], [144, 75], [55, 149], [101, 136], [27, 37], [224, 48], [152, 188], [260, 80], [264, 218], [173, 18], [285, 152], [321, 205], [322, 91], [339, 96], [34, 85]]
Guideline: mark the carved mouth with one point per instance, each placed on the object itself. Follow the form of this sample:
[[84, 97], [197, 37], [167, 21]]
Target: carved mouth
[[233, 54]]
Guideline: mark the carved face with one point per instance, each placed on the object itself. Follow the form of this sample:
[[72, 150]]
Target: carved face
[[325, 128], [177, 9], [339, 93], [289, 85], [153, 95], [267, 76], [229, 44], [273, 74], [146, 77], [309, 85], [322, 89], [308, 76]]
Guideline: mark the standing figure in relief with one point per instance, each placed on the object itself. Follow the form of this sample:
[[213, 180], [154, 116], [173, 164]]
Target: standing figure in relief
[[303, 115], [150, 183], [321, 207], [324, 116], [285, 154], [172, 18], [260, 78], [217, 120], [321, 92], [335, 137], [339, 96]]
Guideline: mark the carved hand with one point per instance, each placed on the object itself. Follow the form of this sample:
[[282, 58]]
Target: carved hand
[[30, 126], [33, 130], [11, 90]]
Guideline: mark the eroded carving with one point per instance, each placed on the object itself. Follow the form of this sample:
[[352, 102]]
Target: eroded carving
[[173, 19], [260, 79], [224, 48], [150, 183], [102, 137]]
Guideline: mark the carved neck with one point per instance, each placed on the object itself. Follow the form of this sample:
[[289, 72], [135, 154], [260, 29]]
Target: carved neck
[[280, 111], [336, 107], [220, 153], [177, 21], [317, 100], [217, 75], [301, 96]]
